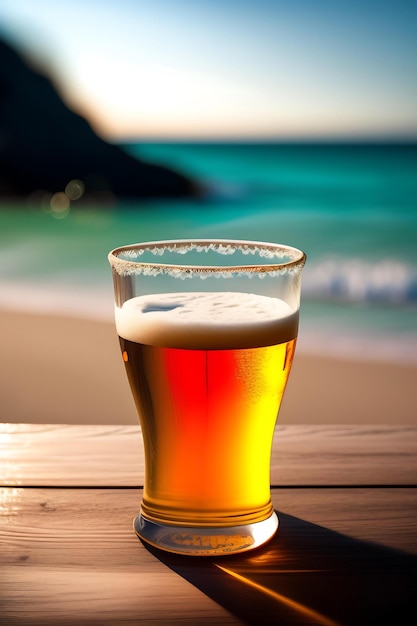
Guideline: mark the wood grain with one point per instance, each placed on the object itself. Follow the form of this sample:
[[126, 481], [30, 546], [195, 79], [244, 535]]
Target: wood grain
[[343, 555], [70, 556], [113, 455]]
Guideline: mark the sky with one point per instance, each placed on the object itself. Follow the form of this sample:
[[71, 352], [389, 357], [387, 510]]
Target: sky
[[225, 69]]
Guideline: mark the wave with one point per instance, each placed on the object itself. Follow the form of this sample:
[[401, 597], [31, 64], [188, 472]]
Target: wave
[[386, 281], [355, 345]]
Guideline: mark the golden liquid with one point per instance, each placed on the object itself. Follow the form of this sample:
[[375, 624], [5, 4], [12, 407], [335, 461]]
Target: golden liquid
[[208, 418]]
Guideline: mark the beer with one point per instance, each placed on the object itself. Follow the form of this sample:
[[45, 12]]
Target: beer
[[207, 372]]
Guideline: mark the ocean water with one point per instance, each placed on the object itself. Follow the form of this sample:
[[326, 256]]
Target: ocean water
[[351, 208]]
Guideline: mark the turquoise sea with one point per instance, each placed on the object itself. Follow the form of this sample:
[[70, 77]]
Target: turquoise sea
[[351, 207]]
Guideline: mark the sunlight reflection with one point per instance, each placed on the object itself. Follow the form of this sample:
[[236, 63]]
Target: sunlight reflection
[[9, 469], [60, 205], [296, 606], [75, 189], [9, 504]]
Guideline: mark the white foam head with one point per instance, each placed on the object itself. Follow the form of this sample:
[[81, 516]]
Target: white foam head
[[206, 320]]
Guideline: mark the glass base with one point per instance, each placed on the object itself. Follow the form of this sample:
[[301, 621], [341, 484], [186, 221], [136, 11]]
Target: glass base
[[206, 541]]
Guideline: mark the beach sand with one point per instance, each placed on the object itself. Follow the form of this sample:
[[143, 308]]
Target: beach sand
[[69, 371]]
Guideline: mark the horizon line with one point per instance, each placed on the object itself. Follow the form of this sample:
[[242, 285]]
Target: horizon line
[[346, 140]]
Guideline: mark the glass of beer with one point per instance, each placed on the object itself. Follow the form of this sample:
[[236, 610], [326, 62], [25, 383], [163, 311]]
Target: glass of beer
[[207, 333]]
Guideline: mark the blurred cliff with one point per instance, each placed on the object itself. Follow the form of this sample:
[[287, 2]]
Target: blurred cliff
[[44, 146]]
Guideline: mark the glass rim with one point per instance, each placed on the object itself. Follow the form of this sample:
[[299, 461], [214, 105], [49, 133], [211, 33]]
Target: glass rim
[[265, 250]]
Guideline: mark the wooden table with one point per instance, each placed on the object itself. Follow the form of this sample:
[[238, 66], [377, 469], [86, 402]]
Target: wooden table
[[345, 553]]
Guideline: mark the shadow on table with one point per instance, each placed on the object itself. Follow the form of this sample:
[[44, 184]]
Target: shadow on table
[[307, 574]]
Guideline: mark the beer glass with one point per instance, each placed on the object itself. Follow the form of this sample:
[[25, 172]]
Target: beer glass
[[207, 332]]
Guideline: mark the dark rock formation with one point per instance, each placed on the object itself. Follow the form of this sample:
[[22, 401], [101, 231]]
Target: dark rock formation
[[44, 145]]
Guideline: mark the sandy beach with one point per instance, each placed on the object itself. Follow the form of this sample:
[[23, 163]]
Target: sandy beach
[[69, 371]]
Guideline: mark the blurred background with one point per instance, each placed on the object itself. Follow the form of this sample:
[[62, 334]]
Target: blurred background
[[285, 121]]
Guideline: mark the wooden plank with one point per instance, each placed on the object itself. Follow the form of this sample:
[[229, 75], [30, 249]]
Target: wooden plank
[[113, 455], [69, 556], [51, 454]]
